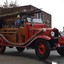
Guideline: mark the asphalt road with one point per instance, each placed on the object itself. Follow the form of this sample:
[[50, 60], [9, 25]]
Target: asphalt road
[[11, 56]]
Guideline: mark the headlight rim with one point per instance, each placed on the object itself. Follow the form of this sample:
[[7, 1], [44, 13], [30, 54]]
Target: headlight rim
[[52, 33]]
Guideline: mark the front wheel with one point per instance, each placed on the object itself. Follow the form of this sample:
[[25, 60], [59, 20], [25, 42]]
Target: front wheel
[[42, 49], [20, 49], [61, 51]]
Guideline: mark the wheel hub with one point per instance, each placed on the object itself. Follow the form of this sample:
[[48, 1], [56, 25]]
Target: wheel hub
[[41, 49]]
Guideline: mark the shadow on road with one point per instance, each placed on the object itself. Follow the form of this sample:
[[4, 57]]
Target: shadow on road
[[28, 55], [32, 55]]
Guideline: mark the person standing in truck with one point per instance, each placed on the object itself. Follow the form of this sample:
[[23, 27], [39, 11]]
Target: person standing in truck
[[18, 21]]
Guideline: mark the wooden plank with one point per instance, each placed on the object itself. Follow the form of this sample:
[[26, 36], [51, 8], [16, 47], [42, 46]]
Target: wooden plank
[[8, 32]]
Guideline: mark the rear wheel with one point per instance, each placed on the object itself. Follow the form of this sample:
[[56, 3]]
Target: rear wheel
[[42, 49], [20, 49], [2, 49]]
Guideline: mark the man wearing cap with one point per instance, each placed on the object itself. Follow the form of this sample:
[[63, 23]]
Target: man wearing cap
[[18, 21]]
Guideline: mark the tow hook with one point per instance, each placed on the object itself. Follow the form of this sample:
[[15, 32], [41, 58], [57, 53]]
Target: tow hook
[[58, 45]]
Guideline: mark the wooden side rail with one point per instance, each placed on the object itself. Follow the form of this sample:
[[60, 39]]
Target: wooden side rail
[[8, 32], [8, 29]]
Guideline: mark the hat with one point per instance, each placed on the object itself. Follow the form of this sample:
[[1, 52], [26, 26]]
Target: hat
[[18, 16]]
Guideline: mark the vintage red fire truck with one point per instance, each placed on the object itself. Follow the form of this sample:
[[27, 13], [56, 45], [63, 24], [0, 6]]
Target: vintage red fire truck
[[32, 34]]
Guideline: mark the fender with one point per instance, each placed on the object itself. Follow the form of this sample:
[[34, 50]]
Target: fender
[[38, 37], [43, 37], [61, 40]]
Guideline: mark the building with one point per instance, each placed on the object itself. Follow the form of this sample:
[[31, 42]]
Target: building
[[9, 13]]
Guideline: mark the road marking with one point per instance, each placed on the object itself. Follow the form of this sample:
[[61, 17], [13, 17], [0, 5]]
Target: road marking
[[50, 62], [54, 63]]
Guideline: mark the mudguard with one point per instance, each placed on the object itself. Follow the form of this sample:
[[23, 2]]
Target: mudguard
[[61, 40], [43, 37]]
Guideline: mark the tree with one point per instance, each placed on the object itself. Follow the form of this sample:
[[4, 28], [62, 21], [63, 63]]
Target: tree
[[11, 5]]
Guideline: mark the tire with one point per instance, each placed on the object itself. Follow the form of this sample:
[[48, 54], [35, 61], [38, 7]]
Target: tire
[[20, 49], [2, 49], [61, 51], [42, 49]]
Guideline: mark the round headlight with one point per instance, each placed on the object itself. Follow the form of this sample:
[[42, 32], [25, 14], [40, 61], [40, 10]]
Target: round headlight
[[52, 33]]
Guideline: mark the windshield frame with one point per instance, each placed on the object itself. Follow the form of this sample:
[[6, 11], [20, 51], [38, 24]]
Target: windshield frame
[[35, 20]]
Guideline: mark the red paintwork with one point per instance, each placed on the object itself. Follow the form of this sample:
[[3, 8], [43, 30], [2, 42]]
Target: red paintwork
[[29, 30], [43, 37], [61, 40], [39, 25]]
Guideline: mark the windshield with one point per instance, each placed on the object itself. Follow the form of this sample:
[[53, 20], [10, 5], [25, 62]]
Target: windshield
[[35, 20]]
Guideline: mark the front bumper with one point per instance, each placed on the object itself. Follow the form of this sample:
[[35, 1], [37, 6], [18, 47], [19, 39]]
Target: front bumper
[[60, 47]]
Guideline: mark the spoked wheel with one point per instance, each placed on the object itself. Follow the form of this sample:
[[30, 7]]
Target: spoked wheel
[[20, 49], [42, 49], [2, 49]]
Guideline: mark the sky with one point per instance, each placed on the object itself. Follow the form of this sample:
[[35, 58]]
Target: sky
[[53, 7]]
